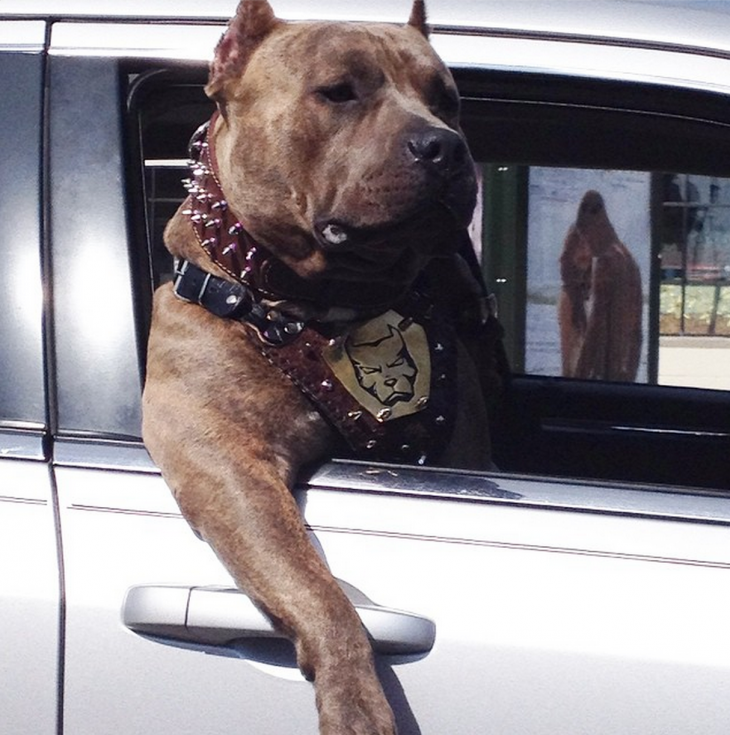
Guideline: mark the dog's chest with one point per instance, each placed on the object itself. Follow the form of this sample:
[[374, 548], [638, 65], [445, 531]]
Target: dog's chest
[[388, 385]]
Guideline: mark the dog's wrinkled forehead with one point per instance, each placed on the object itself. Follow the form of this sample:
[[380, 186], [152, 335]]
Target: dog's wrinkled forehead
[[370, 44], [371, 54], [367, 52], [365, 64]]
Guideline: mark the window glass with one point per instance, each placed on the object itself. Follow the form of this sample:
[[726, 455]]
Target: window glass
[[694, 296], [22, 397], [167, 107], [606, 227], [98, 382], [626, 273], [588, 273]]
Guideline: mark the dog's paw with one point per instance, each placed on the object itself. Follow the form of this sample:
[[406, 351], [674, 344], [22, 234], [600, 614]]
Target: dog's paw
[[352, 707], [358, 722]]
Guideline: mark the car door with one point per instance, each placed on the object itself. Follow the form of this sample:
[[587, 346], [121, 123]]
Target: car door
[[30, 576], [498, 602]]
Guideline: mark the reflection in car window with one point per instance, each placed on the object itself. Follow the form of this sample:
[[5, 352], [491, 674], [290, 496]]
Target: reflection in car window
[[694, 305], [588, 273], [596, 305]]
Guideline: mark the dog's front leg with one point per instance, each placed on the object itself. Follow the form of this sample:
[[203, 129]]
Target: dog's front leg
[[229, 435], [251, 520]]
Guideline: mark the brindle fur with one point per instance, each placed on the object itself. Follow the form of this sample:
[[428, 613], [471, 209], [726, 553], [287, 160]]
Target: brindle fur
[[214, 416]]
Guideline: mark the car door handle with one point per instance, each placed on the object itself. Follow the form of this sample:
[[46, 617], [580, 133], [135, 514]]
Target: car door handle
[[218, 616]]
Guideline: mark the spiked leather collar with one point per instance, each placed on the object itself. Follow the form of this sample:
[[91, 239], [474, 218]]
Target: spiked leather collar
[[223, 237]]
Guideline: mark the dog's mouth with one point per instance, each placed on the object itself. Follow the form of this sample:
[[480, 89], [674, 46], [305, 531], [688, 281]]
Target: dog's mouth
[[391, 251], [367, 253]]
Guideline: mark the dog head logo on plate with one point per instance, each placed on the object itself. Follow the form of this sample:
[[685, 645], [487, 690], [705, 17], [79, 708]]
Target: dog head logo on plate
[[385, 365], [384, 368]]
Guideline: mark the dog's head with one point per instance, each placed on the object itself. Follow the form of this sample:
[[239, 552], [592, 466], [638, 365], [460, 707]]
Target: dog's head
[[339, 144]]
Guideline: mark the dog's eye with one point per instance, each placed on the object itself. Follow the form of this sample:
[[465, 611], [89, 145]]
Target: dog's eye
[[443, 99], [338, 93]]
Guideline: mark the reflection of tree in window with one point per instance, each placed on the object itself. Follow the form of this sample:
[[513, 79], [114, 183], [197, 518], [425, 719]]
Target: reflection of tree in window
[[710, 246], [679, 222]]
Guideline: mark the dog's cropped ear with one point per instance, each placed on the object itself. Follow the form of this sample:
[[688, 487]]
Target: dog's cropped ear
[[418, 17], [254, 20]]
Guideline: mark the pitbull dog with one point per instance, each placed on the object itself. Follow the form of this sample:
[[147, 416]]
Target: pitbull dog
[[328, 200]]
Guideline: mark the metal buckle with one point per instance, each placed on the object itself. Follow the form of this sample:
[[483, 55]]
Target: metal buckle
[[272, 327], [181, 268]]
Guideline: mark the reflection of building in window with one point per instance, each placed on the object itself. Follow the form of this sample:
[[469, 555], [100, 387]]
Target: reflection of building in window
[[694, 229], [601, 303]]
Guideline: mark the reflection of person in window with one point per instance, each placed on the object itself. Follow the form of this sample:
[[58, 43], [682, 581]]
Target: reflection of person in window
[[575, 273], [611, 344]]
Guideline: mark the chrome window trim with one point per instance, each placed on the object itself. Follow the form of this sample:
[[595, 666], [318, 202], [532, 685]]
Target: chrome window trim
[[576, 59], [27, 441], [672, 67], [100, 454], [22, 35], [624, 499], [176, 42]]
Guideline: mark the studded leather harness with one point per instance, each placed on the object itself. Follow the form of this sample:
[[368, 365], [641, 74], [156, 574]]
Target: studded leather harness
[[395, 419]]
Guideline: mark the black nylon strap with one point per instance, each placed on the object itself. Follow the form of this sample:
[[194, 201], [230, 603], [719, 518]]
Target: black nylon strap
[[232, 301], [218, 296]]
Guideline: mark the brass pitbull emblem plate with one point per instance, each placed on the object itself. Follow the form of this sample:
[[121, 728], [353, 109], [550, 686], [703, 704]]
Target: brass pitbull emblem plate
[[385, 365]]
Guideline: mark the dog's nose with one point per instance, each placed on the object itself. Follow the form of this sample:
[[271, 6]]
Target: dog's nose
[[438, 147]]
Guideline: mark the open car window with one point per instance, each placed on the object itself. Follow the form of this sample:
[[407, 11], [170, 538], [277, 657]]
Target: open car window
[[617, 320]]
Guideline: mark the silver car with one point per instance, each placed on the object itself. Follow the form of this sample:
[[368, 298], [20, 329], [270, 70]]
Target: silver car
[[582, 588]]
